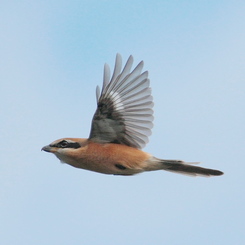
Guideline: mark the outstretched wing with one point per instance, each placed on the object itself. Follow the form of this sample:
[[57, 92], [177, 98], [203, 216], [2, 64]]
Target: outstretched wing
[[124, 112]]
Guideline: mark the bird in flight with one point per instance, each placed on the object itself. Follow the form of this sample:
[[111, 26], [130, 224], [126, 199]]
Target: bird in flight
[[120, 128]]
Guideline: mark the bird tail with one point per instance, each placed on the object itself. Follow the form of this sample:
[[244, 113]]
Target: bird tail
[[182, 167]]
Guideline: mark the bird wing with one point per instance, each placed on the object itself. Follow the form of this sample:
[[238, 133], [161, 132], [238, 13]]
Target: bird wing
[[124, 112]]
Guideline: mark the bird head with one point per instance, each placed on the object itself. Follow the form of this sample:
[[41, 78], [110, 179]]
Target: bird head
[[65, 148]]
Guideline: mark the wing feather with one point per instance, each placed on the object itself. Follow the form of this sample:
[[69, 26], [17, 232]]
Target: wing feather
[[124, 112]]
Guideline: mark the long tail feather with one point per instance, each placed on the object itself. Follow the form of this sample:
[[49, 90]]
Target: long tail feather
[[185, 168]]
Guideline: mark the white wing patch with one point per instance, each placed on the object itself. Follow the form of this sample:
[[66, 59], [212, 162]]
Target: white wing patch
[[117, 102]]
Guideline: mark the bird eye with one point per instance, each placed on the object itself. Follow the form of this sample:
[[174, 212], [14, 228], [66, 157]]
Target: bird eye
[[63, 144]]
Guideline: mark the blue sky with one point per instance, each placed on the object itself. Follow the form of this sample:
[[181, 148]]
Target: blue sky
[[52, 57]]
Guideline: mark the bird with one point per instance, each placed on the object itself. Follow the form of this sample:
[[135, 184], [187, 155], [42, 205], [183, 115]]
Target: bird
[[120, 128]]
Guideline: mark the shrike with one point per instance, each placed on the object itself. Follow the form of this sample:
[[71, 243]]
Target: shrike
[[120, 128]]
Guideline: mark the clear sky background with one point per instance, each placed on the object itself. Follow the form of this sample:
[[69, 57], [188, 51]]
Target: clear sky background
[[51, 59]]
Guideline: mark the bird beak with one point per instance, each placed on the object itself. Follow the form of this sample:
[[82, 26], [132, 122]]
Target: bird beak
[[47, 148]]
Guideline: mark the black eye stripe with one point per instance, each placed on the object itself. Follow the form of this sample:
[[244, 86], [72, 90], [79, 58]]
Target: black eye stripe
[[66, 144], [74, 145]]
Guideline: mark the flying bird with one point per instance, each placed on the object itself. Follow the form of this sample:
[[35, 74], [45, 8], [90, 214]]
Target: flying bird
[[120, 128]]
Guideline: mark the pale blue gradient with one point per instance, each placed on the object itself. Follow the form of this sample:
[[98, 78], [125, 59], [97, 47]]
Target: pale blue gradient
[[51, 59]]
